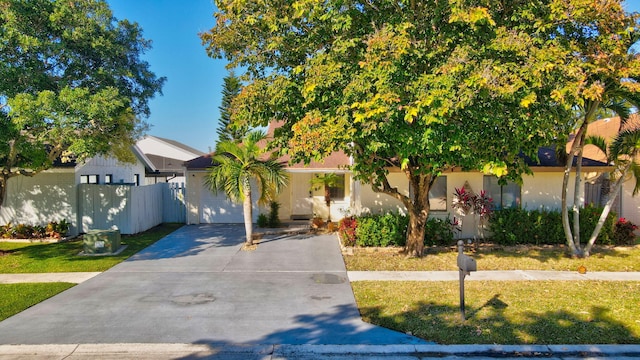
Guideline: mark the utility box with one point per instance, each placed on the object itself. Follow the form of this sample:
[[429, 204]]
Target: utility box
[[101, 241]]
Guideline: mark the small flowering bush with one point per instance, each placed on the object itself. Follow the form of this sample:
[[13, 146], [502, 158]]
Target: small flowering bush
[[624, 232], [347, 231]]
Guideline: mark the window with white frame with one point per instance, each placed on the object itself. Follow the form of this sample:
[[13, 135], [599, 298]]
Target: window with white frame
[[108, 178], [438, 194], [136, 179], [89, 179], [337, 192], [504, 196]]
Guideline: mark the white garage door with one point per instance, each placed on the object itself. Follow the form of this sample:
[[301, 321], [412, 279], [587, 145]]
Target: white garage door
[[218, 209]]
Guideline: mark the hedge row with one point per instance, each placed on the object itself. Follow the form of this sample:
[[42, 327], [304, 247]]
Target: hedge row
[[506, 227], [390, 230], [544, 227]]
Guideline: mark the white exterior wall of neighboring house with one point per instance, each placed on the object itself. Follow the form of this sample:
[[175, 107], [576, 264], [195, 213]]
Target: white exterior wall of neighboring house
[[543, 190], [630, 204], [120, 172], [37, 200]]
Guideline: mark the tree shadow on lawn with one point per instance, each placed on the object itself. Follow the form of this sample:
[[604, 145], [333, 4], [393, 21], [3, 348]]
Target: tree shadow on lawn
[[491, 324]]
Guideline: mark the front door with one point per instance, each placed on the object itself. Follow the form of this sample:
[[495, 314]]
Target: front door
[[302, 203]]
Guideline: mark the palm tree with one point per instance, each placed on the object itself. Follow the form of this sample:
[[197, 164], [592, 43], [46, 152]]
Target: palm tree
[[237, 165], [622, 153], [327, 181]]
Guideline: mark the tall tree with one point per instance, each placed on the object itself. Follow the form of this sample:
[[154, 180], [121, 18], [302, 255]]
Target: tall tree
[[601, 35], [237, 165], [72, 84], [228, 131], [425, 87]]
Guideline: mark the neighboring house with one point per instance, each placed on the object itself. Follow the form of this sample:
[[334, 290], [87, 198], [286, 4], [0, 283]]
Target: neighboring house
[[59, 193], [168, 157], [542, 190]]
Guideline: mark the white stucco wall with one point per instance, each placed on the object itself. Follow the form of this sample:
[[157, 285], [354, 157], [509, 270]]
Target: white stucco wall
[[121, 172], [543, 190], [48, 196], [630, 204]]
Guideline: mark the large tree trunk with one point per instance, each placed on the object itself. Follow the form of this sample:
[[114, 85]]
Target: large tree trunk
[[415, 233], [418, 214], [248, 214], [565, 191]]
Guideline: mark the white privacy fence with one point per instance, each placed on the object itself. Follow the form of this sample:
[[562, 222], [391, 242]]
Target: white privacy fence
[[131, 209]]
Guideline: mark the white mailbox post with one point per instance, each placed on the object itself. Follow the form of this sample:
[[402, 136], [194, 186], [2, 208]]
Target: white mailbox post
[[466, 264]]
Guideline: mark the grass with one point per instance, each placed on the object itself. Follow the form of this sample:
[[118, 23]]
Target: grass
[[496, 258], [541, 312], [18, 297], [63, 257]]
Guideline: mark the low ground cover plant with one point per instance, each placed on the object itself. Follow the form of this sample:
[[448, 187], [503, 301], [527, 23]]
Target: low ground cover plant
[[14, 298], [54, 229]]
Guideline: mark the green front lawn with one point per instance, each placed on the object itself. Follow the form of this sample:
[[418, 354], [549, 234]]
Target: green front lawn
[[63, 257], [514, 312], [496, 258], [15, 298]]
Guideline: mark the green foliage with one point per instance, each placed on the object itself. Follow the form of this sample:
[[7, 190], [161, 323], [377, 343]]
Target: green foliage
[[382, 230], [263, 221], [624, 232], [424, 87], [538, 227], [438, 232], [227, 130], [53, 229], [72, 84], [272, 220], [15, 298], [390, 229]]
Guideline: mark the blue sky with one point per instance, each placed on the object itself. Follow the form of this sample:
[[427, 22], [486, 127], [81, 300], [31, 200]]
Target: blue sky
[[188, 110]]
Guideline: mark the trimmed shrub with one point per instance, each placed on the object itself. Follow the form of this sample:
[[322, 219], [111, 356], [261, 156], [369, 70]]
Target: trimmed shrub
[[391, 230], [623, 234], [518, 226], [438, 232], [382, 230]]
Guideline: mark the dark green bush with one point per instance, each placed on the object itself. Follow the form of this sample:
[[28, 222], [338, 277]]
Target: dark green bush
[[272, 220], [382, 230], [262, 220], [391, 230], [438, 232], [518, 226]]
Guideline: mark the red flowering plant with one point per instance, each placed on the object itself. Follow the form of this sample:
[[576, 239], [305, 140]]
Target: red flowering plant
[[465, 202], [462, 201], [624, 234]]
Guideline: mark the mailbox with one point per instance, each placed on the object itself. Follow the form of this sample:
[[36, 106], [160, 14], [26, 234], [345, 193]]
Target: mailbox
[[466, 263]]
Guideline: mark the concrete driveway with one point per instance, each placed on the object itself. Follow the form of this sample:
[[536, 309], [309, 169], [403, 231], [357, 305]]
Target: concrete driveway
[[197, 286]]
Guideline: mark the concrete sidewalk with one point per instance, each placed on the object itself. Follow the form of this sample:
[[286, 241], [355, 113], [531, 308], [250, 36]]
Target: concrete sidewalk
[[510, 275], [315, 352]]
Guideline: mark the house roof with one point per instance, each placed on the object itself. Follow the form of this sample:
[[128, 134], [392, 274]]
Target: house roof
[[166, 164], [200, 163], [178, 145], [337, 161], [608, 129]]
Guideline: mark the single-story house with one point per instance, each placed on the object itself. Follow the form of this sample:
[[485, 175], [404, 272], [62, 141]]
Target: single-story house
[[302, 201]]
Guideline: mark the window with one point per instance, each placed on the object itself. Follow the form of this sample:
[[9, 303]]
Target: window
[[337, 192], [504, 196], [89, 179], [438, 194], [136, 179], [108, 178]]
